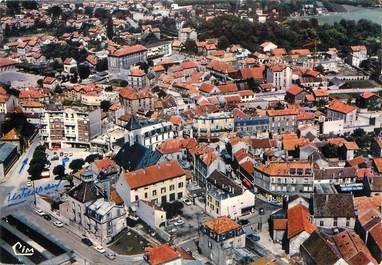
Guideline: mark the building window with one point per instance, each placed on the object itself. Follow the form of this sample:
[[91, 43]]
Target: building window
[[154, 193], [145, 195], [180, 185], [180, 195], [321, 223], [163, 190], [172, 187]]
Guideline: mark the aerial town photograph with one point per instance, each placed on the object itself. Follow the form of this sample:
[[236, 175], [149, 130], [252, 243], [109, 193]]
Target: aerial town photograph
[[191, 132]]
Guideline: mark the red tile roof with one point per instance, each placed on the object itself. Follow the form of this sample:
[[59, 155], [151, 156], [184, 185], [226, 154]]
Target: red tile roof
[[161, 254], [280, 224], [127, 50], [299, 221], [6, 62], [221, 224], [339, 106], [154, 174], [294, 90]]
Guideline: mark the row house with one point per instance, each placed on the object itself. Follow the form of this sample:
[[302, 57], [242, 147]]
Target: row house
[[283, 120]]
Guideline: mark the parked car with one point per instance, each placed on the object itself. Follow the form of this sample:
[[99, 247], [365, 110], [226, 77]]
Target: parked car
[[100, 249], [58, 224], [110, 255], [55, 158], [47, 217], [87, 241], [187, 202], [261, 211], [40, 212], [29, 183], [243, 221], [179, 222], [253, 237]]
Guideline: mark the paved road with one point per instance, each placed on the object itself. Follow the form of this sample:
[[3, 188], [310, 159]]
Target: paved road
[[14, 180], [72, 241]]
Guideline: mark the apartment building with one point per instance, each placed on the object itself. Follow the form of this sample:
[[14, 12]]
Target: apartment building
[[276, 178], [70, 127], [218, 239], [159, 49], [358, 55], [280, 76], [187, 34], [134, 101], [226, 198], [137, 78], [149, 133], [211, 126], [159, 183], [283, 120], [126, 56]]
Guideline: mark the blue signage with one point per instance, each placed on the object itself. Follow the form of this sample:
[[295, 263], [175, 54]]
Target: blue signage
[[23, 194]]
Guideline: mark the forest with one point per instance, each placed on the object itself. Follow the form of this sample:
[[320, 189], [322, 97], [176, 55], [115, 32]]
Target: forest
[[292, 33]]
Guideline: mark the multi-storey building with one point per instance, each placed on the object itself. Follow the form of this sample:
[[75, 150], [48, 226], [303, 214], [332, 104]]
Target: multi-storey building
[[147, 132], [277, 178], [160, 183], [284, 120], [126, 56], [137, 78], [358, 55], [280, 76], [73, 127], [218, 239], [209, 127], [133, 101], [338, 110], [187, 34]]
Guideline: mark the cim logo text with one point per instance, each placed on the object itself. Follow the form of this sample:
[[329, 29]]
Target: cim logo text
[[22, 250]]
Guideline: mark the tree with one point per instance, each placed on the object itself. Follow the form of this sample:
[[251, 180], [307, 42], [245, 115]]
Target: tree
[[105, 105], [110, 29], [172, 209], [223, 42], [359, 132], [102, 13], [35, 171], [330, 151], [54, 11], [83, 71], [29, 4], [92, 157], [76, 164], [190, 47], [89, 10], [59, 171]]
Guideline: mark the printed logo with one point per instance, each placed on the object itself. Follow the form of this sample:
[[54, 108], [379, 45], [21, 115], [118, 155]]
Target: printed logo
[[21, 250]]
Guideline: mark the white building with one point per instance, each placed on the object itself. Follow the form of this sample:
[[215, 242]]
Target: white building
[[148, 133], [358, 55], [187, 34], [157, 184], [280, 76], [338, 110], [126, 56], [72, 127], [211, 126]]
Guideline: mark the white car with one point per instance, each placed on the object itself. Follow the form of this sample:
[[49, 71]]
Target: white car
[[100, 249], [58, 224], [179, 222], [39, 212], [187, 202], [29, 183]]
